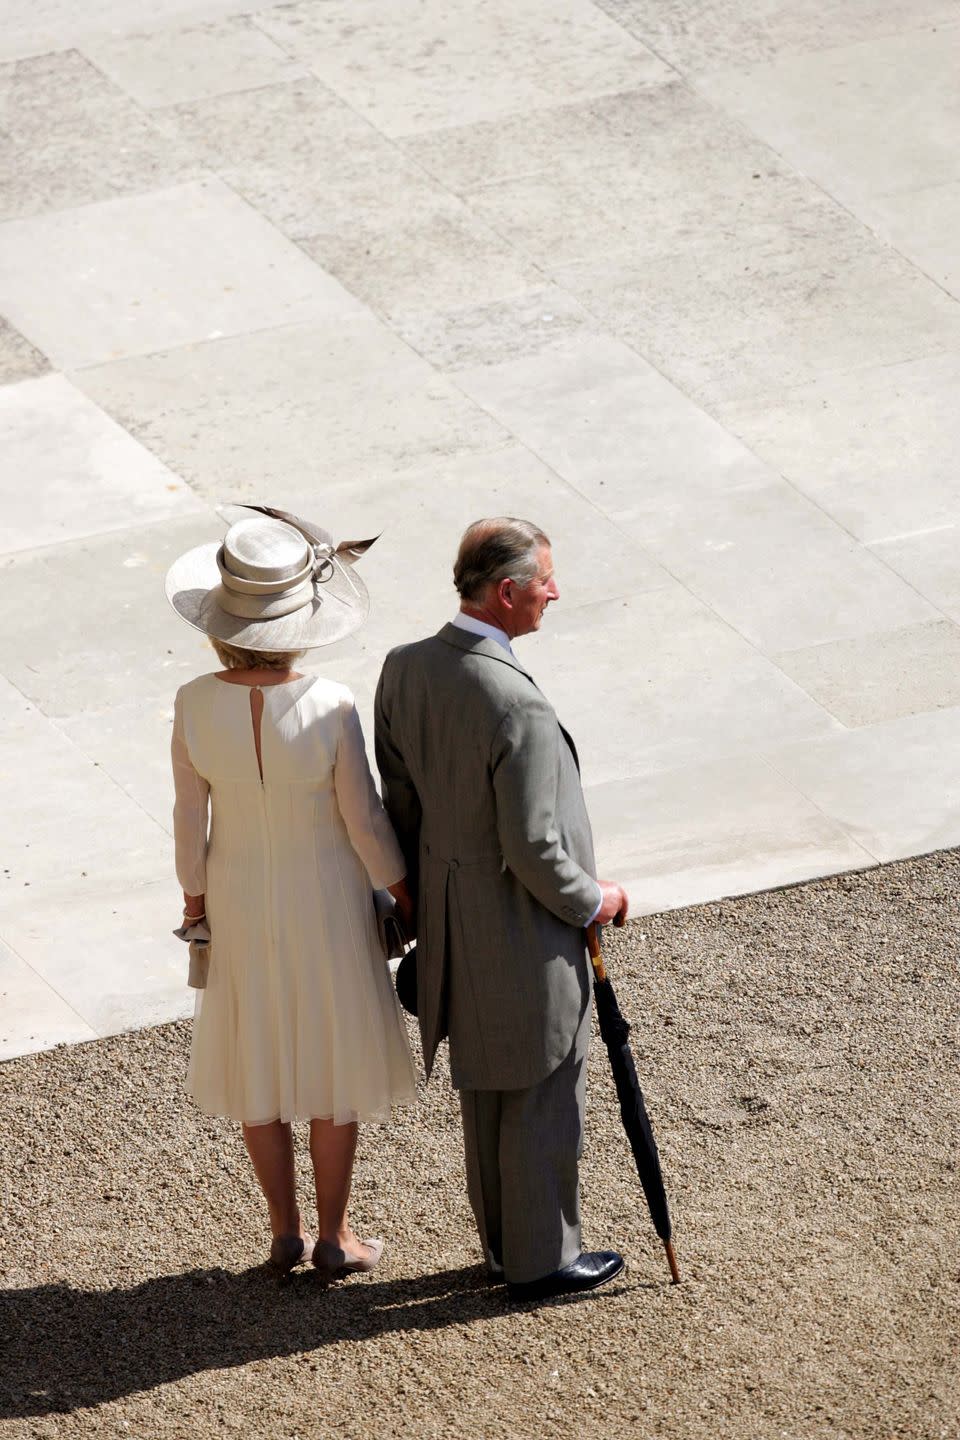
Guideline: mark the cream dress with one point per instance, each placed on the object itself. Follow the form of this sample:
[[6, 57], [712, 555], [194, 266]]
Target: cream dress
[[299, 1018]]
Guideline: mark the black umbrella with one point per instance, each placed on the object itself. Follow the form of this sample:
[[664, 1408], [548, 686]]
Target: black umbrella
[[615, 1033]]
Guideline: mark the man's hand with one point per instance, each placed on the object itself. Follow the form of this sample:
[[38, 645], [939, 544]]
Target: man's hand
[[613, 905]]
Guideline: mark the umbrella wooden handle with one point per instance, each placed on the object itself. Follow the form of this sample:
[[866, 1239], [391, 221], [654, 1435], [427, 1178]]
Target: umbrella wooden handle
[[672, 1261], [593, 947]]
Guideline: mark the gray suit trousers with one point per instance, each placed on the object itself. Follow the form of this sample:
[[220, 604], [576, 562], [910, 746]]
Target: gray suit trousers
[[522, 1148]]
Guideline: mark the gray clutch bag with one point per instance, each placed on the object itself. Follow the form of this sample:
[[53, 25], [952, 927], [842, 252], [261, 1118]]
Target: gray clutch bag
[[198, 938]]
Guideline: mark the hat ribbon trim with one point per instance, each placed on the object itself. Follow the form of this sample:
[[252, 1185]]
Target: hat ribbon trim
[[274, 599]]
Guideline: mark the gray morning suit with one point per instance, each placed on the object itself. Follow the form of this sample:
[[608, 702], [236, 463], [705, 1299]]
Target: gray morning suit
[[483, 788]]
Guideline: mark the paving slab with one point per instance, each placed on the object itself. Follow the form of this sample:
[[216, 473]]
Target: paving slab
[[110, 955], [922, 225], [614, 428], [498, 330], [193, 62], [116, 279], [874, 448], [500, 60], [291, 409], [713, 830], [32, 1015], [437, 262], [927, 559], [883, 675], [746, 317], [677, 175], [657, 130], [657, 657], [76, 829], [62, 118], [58, 25], [878, 115], [697, 37], [119, 640], [824, 587], [130, 743], [893, 786], [307, 161], [19, 360], [80, 473]]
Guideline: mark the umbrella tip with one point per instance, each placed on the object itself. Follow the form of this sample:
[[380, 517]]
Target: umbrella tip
[[672, 1262]]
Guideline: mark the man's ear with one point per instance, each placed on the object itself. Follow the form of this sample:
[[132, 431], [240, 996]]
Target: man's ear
[[505, 593]]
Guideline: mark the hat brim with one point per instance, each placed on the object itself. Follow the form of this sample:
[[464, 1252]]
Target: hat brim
[[339, 607]]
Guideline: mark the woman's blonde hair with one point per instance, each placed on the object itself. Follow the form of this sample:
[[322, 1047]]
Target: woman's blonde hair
[[234, 657]]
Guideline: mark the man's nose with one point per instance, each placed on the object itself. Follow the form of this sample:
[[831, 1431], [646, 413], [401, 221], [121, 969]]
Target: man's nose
[[553, 590]]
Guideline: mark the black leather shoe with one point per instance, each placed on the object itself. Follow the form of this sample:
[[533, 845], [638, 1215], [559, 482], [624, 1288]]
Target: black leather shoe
[[593, 1268]]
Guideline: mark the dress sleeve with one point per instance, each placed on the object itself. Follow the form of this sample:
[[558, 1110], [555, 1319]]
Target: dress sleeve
[[190, 806], [371, 833]]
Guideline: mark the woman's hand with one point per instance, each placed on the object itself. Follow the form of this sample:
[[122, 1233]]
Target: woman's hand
[[406, 909]]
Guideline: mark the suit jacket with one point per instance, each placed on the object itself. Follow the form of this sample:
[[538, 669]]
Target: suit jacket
[[483, 787]]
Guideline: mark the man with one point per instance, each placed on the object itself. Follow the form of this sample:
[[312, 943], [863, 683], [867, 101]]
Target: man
[[483, 787]]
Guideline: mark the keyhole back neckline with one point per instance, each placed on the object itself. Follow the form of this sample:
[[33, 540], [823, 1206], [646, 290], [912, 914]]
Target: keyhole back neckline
[[256, 721]]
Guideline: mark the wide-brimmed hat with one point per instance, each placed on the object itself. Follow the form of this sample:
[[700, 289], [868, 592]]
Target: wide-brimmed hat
[[276, 582]]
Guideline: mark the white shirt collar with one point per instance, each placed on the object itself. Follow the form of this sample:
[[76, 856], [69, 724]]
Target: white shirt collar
[[480, 627]]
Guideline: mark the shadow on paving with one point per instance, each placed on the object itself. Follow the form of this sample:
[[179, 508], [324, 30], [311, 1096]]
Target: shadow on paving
[[65, 1349]]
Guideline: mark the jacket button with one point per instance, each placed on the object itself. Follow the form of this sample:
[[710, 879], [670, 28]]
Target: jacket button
[[454, 864]]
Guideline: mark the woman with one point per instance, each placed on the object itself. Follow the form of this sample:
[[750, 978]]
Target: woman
[[298, 1019]]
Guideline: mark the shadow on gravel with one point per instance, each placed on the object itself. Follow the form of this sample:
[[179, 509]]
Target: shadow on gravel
[[63, 1349]]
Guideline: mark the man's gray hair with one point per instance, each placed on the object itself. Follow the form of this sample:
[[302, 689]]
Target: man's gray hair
[[493, 550]]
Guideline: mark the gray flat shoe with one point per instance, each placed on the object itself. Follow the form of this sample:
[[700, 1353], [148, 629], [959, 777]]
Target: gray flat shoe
[[332, 1262]]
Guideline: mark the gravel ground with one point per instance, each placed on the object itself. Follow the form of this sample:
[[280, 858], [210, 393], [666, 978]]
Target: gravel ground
[[799, 1055]]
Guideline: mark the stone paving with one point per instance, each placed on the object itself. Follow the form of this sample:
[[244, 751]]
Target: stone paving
[[679, 280]]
